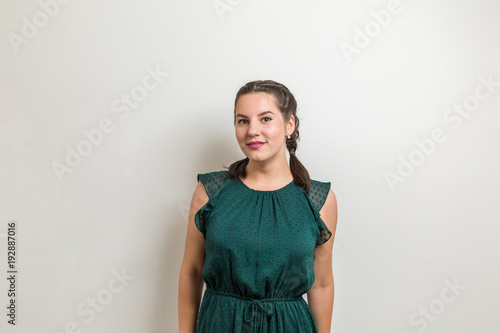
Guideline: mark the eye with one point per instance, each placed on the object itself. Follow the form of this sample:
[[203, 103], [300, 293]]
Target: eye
[[266, 119]]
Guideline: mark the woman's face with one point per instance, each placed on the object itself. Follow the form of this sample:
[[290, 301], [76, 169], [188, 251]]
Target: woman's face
[[258, 119]]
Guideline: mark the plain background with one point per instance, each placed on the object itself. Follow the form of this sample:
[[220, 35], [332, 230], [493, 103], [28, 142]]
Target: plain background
[[124, 206]]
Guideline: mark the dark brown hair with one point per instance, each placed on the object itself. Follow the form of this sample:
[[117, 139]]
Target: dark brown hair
[[288, 107]]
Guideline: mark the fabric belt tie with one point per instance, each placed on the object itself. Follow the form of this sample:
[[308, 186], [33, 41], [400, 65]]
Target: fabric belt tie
[[267, 308], [261, 304]]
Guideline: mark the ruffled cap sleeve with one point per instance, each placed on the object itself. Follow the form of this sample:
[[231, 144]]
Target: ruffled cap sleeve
[[213, 183], [317, 197]]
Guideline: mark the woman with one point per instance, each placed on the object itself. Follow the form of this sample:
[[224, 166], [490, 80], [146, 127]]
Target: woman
[[256, 231]]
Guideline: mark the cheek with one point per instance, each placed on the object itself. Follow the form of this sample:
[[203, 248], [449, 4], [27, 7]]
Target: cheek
[[274, 132], [240, 135]]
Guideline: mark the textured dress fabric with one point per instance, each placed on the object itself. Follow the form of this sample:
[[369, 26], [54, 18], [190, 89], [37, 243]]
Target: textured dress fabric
[[259, 249]]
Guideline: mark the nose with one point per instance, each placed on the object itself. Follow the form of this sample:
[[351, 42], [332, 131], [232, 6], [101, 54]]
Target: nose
[[253, 128]]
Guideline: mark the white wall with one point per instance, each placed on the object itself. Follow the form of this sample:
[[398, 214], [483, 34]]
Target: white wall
[[124, 205]]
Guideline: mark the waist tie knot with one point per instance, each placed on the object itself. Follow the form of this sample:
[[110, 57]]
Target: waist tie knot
[[267, 308]]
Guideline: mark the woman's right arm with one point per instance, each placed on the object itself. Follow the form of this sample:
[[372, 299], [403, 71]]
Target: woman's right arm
[[190, 277]]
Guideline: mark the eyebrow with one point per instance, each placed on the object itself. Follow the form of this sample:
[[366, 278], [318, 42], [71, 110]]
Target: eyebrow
[[260, 114]]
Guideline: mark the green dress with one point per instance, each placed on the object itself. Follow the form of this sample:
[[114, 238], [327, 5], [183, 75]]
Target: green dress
[[259, 249]]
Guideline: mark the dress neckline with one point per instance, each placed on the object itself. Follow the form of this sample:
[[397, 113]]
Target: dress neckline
[[265, 191]]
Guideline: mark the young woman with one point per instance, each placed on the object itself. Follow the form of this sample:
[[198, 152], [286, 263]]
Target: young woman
[[257, 233]]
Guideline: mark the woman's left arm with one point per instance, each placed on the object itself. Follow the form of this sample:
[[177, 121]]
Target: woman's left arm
[[320, 296]]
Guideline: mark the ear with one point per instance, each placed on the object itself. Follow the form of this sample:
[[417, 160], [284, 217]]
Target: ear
[[290, 125]]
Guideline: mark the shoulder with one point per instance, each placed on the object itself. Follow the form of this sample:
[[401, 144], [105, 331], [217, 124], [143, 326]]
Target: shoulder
[[320, 184], [319, 192], [331, 201], [200, 197], [329, 211], [212, 175], [325, 200], [212, 181]]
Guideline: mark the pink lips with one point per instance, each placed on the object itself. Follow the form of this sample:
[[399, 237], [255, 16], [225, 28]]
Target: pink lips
[[255, 144]]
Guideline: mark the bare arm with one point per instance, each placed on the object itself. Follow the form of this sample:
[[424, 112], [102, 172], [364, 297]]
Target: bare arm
[[190, 277], [320, 296]]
